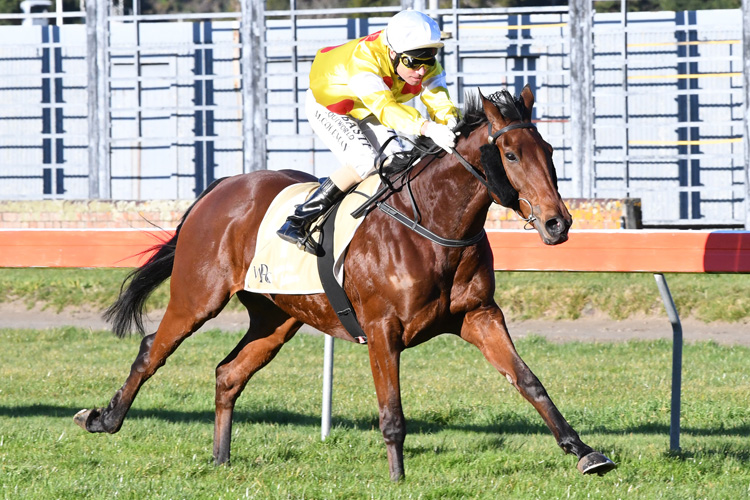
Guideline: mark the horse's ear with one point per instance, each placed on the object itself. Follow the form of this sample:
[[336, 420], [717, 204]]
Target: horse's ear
[[527, 97], [491, 112]]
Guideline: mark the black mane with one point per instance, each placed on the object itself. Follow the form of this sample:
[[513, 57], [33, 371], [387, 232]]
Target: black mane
[[473, 116], [508, 106]]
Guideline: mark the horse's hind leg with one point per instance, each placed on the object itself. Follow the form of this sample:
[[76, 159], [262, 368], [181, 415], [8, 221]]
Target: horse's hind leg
[[193, 300], [154, 350], [486, 329], [270, 329]]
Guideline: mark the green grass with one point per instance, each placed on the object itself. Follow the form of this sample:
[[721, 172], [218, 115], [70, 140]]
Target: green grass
[[521, 295], [470, 434], [707, 297], [60, 288]]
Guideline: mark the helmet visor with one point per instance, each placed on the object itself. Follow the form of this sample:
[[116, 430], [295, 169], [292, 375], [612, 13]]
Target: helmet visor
[[423, 53]]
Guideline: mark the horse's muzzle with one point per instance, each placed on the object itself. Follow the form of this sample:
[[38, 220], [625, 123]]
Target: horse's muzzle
[[555, 230]]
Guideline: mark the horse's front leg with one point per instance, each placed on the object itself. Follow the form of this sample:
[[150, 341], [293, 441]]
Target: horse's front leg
[[384, 362], [486, 329]]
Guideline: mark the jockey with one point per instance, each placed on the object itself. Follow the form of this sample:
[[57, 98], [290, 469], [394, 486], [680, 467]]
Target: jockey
[[356, 102]]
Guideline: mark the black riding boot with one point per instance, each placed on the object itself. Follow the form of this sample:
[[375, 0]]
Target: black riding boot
[[295, 229]]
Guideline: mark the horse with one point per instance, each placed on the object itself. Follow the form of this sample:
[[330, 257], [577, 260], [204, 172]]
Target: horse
[[405, 288]]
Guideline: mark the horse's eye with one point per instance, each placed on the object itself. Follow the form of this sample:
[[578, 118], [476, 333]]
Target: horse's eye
[[511, 157]]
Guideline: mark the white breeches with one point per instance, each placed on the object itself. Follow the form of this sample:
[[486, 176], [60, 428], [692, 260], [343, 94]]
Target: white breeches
[[355, 143]]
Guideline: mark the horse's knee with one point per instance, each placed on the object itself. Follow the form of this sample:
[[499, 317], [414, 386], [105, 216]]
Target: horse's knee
[[141, 360], [223, 380], [146, 344], [228, 386]]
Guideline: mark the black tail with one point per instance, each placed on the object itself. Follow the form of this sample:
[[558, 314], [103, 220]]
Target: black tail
[[140, 283]]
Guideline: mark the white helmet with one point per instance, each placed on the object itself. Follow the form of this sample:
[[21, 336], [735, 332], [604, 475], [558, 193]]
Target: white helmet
[[410, 29]]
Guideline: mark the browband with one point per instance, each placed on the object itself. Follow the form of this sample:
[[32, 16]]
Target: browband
[[491, 138]]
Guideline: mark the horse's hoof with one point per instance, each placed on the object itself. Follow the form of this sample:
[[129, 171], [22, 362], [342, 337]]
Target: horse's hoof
[[595, 463], [84, 417]]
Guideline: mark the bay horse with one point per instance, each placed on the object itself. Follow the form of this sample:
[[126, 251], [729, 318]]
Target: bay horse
[[405, 289]]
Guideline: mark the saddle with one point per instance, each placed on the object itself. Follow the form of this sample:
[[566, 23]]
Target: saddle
[[279, 267]]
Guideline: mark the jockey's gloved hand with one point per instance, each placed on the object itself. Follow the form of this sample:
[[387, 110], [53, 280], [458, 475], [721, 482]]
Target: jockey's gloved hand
[[452, 122], [442, 135]]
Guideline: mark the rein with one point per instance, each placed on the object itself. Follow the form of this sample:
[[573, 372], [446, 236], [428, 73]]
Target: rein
[[423, 231], [414, 223]]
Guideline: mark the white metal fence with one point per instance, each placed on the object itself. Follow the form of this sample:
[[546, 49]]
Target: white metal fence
[[164, 116], [668, 116]]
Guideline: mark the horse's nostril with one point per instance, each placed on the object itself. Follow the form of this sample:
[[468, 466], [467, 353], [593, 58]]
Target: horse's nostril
[[554, 226]]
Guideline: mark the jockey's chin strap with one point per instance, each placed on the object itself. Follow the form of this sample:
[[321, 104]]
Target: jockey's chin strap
[[491, 139]]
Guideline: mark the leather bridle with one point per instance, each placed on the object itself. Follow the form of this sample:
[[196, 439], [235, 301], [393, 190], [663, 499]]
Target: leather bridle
[[492, 139]]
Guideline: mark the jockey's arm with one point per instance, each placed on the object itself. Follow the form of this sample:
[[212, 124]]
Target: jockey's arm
[[435, 97], [377, 97], [379, 100]]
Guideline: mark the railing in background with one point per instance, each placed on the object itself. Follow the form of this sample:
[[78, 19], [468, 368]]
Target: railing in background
[[147, 107], [668, 115]]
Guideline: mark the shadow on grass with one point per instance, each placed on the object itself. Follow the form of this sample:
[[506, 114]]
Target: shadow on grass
[[662, 429], [508, 425], [488, 444], [689, 455], [282, 417]]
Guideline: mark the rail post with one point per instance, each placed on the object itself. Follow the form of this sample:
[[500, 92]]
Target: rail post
[[580, 19], [325, 416], [674, 318], [252, 29], [746, 107], [97, 74]]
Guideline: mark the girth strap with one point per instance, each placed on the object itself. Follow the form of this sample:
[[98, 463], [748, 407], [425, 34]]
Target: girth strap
[[423, 231], [335, 293]]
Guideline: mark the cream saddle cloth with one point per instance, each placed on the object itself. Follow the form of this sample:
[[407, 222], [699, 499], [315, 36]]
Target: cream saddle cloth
[[282, 267]]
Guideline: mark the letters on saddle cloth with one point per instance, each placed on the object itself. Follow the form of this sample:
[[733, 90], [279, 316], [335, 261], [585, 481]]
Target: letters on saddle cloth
[[279, 266]]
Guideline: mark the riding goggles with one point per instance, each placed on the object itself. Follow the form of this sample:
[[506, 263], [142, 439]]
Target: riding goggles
[[415, 63]]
